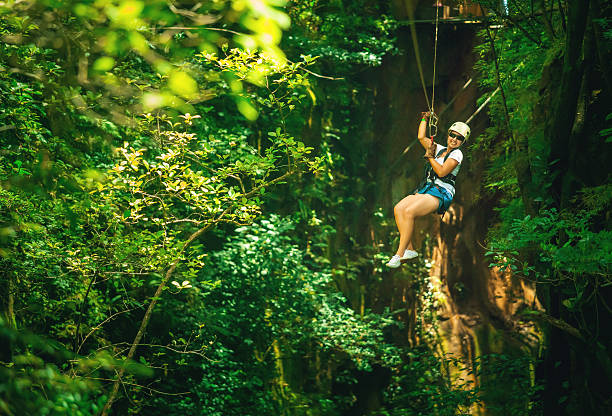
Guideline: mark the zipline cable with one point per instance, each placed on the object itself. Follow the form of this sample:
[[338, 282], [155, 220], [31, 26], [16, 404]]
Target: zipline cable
[[482, 106], [478, 110], [433, 119]]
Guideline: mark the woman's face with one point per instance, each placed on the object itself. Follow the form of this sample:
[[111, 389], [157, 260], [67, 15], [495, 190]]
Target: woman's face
[[454, 139]]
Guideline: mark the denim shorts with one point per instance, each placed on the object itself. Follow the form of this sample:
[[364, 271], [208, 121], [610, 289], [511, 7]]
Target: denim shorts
[[444, 197]]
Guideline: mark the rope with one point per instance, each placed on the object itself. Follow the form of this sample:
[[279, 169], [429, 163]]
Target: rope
[[433, 119], [417, 55], [433, 86], [432, 123]]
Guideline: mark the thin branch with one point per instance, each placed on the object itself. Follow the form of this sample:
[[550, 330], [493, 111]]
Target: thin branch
[[184, 220], [76, 332], [185, 351], [557, 323], [217, 29], [499, 84], [514, 22], [141, 386], [320, 76], [100, 326], [147, 317]]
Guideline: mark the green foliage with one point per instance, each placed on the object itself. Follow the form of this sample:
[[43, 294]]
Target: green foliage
[[566, 245], [136, 137], [520, 69], [82, 247], [552, 227], [43, 378], [583, 251], [159, 35], [267, 315], [422, 386], [607, 132], [503, 379], [347, 34], [112, 196], [581, 259]]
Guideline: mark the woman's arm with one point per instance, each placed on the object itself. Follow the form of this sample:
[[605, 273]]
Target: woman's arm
[[445, 169], [422, 135]]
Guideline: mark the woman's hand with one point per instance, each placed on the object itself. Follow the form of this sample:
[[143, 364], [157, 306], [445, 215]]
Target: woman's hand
[[425, 115], [431, 150], [443, 169]]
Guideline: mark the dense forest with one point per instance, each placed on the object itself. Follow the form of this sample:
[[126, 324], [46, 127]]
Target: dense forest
[[197, 205]]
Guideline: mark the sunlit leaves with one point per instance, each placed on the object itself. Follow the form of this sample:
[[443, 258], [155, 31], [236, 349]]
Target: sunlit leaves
[[182, 84], [189, 118], [184, 285], [103, 64], [282, 83], [161, 34], [191, 182], [125, 14], [246, 108]]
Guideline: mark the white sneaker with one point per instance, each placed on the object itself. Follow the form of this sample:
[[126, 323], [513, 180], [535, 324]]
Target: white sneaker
[[395, 262], [409, 254]]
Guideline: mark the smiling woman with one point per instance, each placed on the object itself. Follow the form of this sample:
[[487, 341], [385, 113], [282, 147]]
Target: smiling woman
[[436, 191]]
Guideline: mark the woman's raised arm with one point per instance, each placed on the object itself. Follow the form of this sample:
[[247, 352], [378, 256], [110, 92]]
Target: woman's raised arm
[[422, 135]]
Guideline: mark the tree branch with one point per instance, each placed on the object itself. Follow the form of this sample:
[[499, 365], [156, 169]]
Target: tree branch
[[557, 323], [147, 317]]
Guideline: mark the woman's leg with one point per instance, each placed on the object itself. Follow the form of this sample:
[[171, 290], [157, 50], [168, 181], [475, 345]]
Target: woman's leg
[[406, 211], [400, 219]]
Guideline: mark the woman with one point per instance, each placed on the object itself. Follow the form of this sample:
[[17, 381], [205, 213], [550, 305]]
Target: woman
[[437, 192]]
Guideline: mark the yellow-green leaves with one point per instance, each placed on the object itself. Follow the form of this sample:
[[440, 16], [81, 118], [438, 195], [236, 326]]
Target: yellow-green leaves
[[182, 84], [184, 285], [189, 118], [246, 108], [159, 38], [194, 180], [130, 24], [139, 43], [86, 11], [103, 64], [284, 81], [125, 14]]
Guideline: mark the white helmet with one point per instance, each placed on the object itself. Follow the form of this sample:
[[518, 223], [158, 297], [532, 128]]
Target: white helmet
[[461, 128]]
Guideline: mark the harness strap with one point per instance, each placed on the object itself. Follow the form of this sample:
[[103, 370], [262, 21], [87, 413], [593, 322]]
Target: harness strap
[[431, 176]]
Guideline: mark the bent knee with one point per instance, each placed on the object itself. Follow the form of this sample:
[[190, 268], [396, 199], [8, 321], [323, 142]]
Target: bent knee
[[409, 212]]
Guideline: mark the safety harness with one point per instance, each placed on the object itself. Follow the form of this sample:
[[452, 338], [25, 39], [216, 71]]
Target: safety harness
[[431, 176]]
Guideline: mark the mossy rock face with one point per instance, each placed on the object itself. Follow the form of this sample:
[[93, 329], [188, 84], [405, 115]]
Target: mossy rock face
[[505, 371]]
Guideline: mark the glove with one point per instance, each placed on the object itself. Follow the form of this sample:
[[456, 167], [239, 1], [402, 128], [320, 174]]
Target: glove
[[431, 150]]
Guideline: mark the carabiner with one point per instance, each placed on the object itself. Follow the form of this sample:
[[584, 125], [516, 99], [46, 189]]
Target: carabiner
[[433, 125]]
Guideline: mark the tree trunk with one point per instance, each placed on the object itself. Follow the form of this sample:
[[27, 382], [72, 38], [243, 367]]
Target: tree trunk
[[564, 107], [565, 358]]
